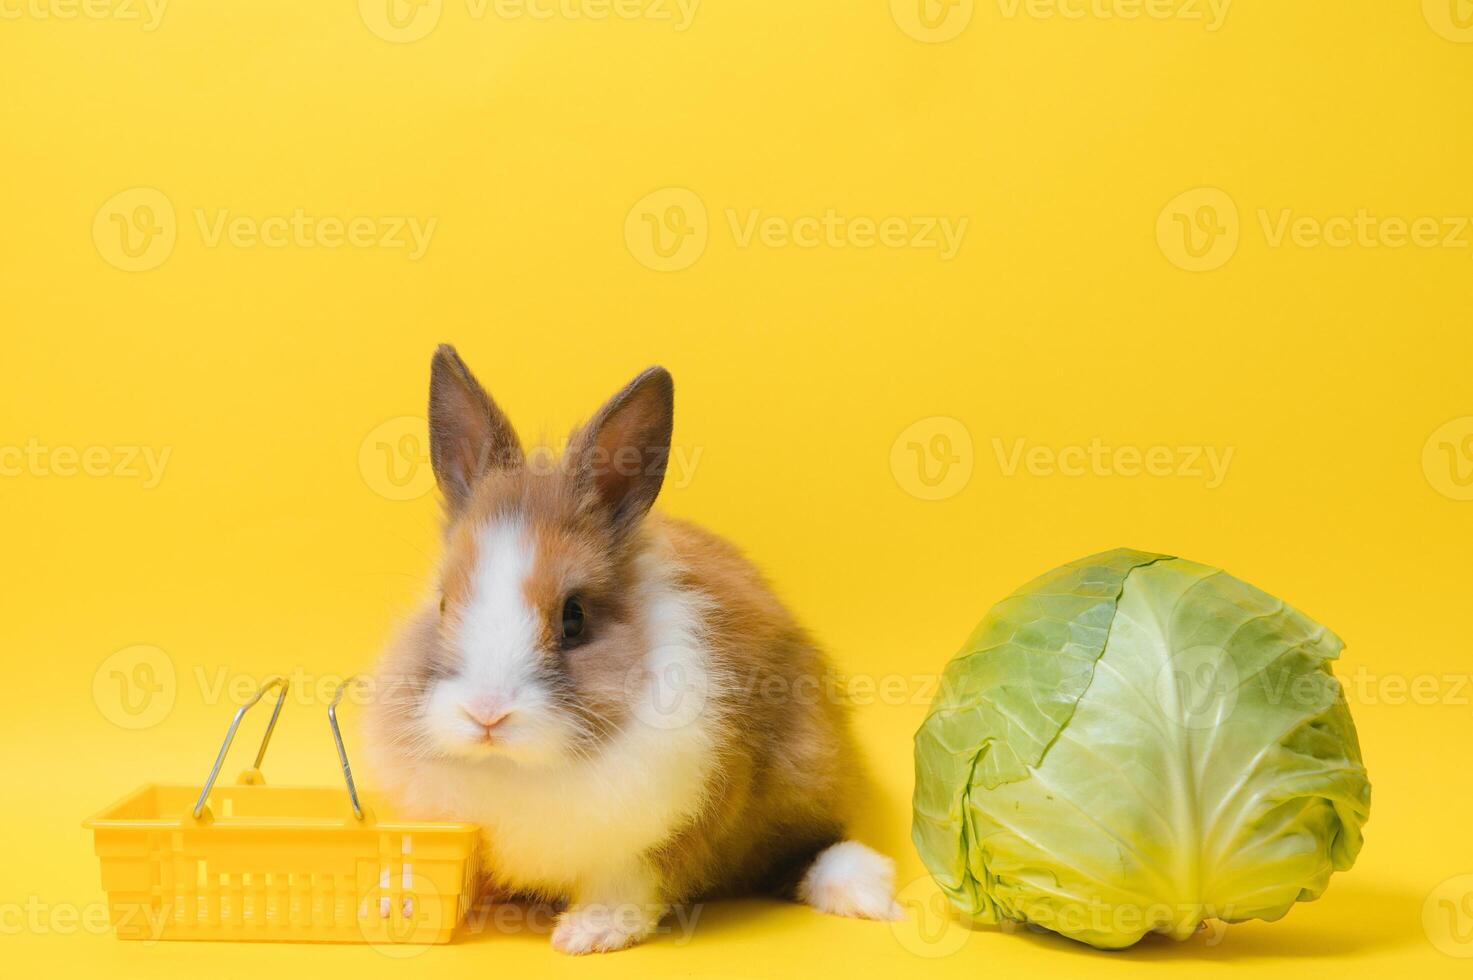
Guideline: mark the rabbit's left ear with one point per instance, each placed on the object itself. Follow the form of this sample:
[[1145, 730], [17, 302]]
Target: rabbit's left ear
[[624, 450], [469, 434]]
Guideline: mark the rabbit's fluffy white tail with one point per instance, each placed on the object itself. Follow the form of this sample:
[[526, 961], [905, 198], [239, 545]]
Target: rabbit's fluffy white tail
[[852, 880]]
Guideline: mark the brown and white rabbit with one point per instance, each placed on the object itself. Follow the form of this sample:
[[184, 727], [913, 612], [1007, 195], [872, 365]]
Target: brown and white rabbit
[[617, 698]]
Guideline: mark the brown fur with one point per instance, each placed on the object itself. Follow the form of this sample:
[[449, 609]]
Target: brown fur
[[790, 774]]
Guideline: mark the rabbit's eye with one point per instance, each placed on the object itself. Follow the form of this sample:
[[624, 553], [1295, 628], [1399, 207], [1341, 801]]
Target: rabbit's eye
[[442, 605], [572, 626]]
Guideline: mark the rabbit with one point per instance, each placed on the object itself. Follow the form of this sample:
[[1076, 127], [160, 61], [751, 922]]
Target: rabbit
[[616, 697]]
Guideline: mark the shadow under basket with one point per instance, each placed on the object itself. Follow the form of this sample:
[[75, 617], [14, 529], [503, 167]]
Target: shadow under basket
[[263, 863]]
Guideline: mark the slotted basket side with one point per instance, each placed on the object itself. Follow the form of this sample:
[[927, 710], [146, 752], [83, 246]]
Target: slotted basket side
[[285, 884]]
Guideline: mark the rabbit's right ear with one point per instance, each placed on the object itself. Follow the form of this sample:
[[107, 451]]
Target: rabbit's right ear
[[469, 435]]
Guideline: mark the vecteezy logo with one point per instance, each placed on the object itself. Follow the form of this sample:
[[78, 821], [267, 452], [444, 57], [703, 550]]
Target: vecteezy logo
[[400, 21], [1451, 19], [933, 458], [932, 21], [669, 691], [136, 687], [394, 459], [135, 229], [1447, 917], [405, 912], [929, 927], [666, 230], [1198, 687], [1198, 230], [1447, 459]]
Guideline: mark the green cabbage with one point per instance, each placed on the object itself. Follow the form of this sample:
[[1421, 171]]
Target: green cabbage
[[1135, 743]]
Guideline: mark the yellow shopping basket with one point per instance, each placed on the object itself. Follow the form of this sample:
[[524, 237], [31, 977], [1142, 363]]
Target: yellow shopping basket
[[262, 863]]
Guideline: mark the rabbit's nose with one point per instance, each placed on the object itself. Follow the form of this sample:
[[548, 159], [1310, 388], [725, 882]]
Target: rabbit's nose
[[486, 712]]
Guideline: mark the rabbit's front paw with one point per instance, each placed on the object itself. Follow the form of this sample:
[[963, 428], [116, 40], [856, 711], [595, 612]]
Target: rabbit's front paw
[[600, 928]]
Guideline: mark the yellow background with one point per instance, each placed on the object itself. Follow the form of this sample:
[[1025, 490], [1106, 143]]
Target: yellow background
[[266, 547]]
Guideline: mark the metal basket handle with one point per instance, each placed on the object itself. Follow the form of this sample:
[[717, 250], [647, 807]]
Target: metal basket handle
[[199, 804], [337, 737]]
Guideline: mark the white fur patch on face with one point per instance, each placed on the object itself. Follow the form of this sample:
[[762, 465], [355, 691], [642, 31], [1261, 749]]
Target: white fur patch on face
[[850, 879], [564, 824], [498, 645]]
